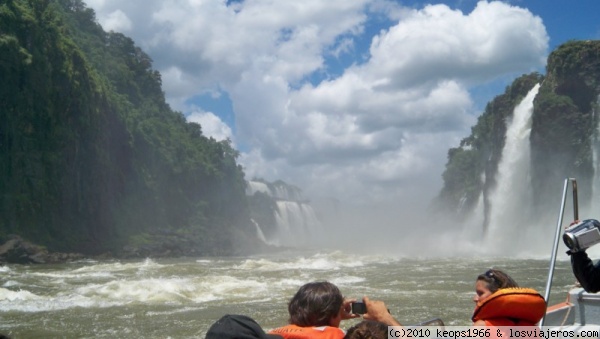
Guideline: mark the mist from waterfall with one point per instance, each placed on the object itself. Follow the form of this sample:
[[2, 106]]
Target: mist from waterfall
[[511, 230], [510, 200]]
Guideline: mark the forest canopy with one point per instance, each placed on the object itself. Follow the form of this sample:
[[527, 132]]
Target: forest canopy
[[92, 158]]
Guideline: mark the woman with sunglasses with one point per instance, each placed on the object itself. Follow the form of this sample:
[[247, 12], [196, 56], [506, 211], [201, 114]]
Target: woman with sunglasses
[[499, 301]]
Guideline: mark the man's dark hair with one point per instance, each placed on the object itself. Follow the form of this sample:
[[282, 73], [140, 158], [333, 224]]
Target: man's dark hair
[[367, 329], [315, 304]]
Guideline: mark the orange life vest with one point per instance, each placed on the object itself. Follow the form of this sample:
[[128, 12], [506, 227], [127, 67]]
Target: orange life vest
[[297, 332], [511, 307]]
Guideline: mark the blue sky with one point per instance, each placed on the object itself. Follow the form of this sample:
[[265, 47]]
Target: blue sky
[[357, 100]]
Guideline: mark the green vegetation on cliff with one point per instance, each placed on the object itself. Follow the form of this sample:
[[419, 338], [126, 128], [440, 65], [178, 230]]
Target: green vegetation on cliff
[[91, 157], [565, 120], [564, 125]]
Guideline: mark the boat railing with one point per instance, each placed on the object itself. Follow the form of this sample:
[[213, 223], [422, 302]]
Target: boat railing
[[558, 232]]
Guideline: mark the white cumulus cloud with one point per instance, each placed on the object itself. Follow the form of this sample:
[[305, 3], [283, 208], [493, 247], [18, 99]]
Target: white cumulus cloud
[[211, 125], [372, 129]]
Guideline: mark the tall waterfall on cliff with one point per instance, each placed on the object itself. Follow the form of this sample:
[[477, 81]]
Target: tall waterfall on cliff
[[296, 221], [511, 198]]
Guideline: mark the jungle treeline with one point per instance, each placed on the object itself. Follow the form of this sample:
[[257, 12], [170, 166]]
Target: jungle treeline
[[92, 158]]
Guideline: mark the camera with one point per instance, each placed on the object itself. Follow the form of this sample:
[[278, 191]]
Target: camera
[[358, 307], [583, 235]]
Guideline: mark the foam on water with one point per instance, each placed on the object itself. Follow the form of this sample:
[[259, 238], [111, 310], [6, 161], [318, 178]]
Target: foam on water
[[300, 263], [8, 295], [144, 290], [347, 280], [147, 264], [224, 287], [67, 275], [11, 283], [321, 261], [288, 282], [182, 297]]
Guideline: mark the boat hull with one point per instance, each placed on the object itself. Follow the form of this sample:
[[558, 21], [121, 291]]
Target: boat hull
[[580, 309]]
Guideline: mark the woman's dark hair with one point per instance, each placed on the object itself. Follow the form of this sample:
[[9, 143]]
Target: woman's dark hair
[[315, 304], [367, 329], [497, 280]]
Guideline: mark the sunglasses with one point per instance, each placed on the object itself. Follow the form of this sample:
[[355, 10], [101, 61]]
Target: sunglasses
[[490, 274]]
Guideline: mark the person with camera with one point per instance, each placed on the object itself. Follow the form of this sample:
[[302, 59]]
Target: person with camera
[[316, 311], [585, 271], [578, 237], [376, 310], [318, 308]]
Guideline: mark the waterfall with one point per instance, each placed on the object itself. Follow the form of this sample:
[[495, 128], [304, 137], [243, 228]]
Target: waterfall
[[259, 232], [257, 186], [296, 221], [511, 198]]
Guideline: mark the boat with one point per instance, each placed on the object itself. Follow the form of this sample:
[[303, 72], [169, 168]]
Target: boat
[[581, 310]]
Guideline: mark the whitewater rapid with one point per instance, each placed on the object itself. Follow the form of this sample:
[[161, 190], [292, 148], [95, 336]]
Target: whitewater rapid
[[181, 298]]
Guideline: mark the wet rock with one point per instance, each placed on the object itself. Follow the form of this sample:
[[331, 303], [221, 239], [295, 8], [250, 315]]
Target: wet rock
[[16, 250]]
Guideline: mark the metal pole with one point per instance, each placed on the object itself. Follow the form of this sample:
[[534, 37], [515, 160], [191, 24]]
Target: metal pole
[[575, 207], [557, 235]]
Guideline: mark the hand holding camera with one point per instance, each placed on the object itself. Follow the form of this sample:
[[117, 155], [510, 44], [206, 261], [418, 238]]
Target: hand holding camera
[[358, 307], [373, 310], [582, 235]]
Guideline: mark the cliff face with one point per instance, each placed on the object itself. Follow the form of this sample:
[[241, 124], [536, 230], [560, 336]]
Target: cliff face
[[92, 158], [564, 127], [565, 121]]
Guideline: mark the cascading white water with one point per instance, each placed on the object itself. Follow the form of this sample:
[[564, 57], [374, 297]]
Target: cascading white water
[[257, 186], [297, 221], [259, 232], [511, 198]]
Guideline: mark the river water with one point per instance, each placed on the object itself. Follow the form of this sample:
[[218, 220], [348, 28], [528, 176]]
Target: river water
[[181, 298]]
